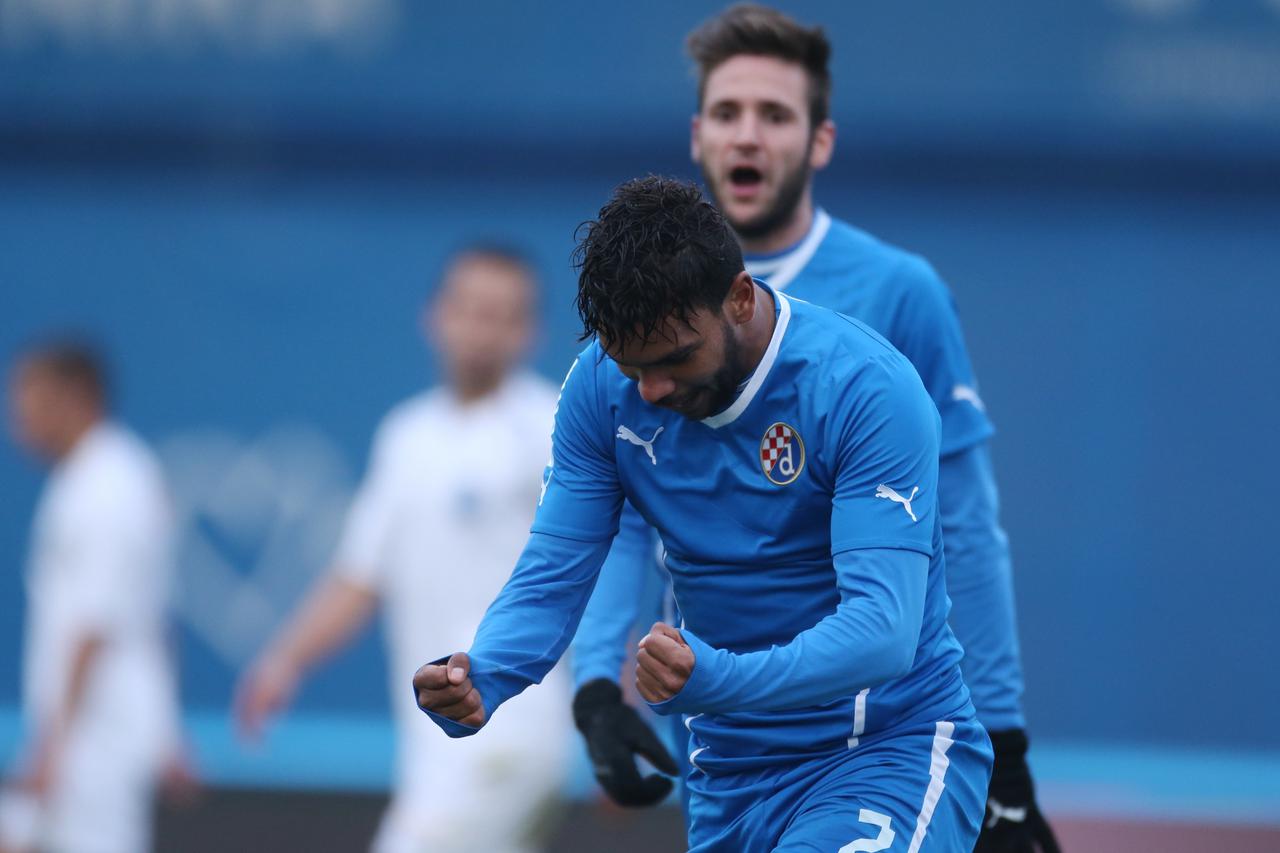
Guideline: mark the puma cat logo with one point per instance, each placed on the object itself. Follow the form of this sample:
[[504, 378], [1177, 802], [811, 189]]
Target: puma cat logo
[[883, 491], [627, 435]]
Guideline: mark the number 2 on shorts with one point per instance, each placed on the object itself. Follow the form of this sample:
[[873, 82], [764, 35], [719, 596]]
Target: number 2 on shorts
[[870, 845]]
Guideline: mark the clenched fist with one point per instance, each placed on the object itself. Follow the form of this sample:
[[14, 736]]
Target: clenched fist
[[446, 689], [663, 664]]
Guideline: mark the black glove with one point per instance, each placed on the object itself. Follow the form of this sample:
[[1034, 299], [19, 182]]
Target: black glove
[[615, 733], [1013, 822]]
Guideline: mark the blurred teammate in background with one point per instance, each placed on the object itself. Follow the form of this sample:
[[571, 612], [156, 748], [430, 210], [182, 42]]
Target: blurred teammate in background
[[98, 687], [762, 130], [443, 511]]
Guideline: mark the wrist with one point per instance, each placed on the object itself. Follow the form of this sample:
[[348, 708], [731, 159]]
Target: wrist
[[702, 680]]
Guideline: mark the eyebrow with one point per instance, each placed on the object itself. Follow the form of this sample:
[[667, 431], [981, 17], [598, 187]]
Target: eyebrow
[[768, 103], [675, 355]]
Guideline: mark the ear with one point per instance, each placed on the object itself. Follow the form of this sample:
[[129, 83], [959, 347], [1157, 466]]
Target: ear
[[695, 145], [824, 145], [740, 303]]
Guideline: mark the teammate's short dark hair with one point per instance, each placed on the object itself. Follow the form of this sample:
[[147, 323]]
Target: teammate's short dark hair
[[753, 30], [658, 250], [496, 251], [73, 362]]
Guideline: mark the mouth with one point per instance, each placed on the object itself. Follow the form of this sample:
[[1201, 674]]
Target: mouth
[[745, 177], [683, 404]]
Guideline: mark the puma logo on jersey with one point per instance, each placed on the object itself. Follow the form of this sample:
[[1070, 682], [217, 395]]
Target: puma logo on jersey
[[627, 435], [883, 491], [968, 394], [1000, 812], [546, 481]]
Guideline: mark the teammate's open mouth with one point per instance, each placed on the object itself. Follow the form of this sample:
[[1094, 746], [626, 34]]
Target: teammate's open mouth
[[745, 176]]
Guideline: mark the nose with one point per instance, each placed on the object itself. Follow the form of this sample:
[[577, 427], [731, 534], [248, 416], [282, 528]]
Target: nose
[[746, 130], [654, 386]]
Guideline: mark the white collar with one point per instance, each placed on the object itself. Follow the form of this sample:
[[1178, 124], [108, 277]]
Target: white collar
[[748, 394], [780, 271]]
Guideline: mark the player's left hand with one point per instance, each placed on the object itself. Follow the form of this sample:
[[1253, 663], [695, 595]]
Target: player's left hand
[[663, 663], [1013, 822]]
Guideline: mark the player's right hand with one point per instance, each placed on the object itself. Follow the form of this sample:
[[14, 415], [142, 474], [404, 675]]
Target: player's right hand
[[615, 735], [446, 689]]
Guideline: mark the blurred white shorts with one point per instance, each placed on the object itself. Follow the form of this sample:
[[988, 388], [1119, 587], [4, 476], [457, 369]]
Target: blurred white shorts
[[475, 794], [101, 802]]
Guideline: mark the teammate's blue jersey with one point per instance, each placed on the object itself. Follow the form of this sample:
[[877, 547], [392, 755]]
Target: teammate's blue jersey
[[899, 295], [807, 504]]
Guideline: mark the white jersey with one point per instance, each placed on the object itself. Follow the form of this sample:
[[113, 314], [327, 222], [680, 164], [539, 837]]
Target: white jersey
[[436, 527], [100, 566]]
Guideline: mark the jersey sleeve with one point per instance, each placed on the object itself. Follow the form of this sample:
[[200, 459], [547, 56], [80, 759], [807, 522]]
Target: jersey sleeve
[[927, 331], [600, 646], [103, 552], [529, 625], [581, 496], [980, 583], [885, 431], [361, 554]]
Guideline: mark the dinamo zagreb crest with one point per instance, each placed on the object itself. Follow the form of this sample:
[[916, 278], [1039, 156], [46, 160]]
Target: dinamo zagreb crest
[[781, 454]]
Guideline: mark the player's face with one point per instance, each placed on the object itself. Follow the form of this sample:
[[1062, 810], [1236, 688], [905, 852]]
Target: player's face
[[693, 368], [754, 143], [482, 321], [36, 406]]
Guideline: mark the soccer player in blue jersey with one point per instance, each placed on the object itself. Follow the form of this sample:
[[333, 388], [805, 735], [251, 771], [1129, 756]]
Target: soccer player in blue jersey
[[788, 458], [761, 132]]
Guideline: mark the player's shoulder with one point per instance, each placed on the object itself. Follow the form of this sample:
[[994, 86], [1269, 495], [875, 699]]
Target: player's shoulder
[[409, 418], [854, 368], [115, 468], [532, 390], [529, 402], [907, 275], [592, 371], [830, 342]]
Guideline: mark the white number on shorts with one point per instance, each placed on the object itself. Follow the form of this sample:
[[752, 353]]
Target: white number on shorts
[[870, 845]]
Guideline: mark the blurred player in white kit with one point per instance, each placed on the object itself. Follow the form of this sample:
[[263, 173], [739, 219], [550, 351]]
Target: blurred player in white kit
[[98, 690], [444, 510]]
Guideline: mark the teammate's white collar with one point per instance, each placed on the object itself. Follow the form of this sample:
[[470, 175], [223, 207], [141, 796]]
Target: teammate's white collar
[[779, 271], [748, 394]]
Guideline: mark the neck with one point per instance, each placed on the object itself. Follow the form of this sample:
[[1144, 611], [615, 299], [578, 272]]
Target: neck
[[759, 330], [787, 234], [76, 430], [473, 389]]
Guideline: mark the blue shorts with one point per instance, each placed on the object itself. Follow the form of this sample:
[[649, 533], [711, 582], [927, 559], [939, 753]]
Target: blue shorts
[[914, 788]]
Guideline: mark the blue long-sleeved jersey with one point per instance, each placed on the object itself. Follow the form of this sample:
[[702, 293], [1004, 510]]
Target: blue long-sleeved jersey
[[801, 531], [899, 295]]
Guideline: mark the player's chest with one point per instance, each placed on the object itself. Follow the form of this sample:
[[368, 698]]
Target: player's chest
[[765, 462], [470, 474]]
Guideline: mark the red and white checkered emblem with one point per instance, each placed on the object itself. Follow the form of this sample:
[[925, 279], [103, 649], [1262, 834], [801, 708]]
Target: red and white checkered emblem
[[781, 454]]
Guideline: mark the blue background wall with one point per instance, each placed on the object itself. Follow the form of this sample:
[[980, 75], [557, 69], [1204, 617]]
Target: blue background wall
[[248, 209]]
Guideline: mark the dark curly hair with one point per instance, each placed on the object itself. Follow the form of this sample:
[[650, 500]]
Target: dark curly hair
[[753, 30], [658, 250]]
